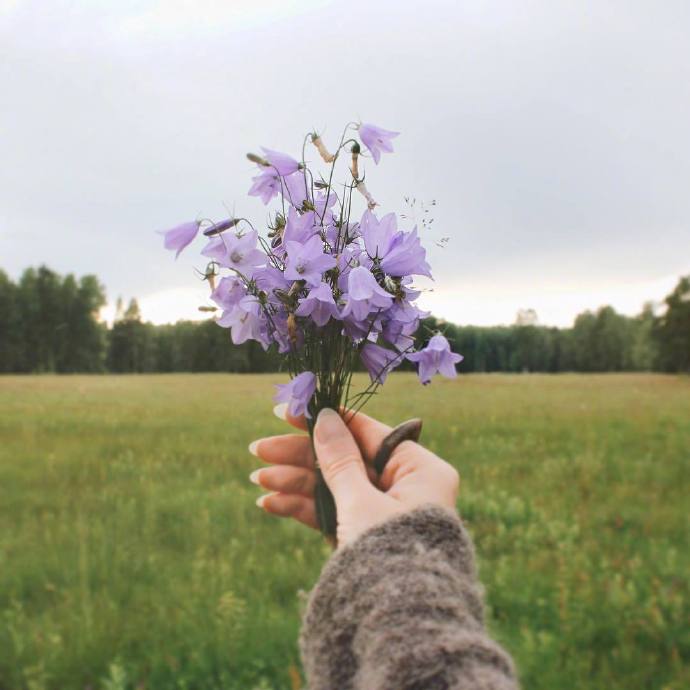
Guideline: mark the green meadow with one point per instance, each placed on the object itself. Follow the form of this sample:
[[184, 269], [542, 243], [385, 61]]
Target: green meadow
[[132, 554]]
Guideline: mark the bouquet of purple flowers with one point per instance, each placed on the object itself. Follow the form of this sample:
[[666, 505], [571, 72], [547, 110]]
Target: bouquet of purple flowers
[[325, 289]]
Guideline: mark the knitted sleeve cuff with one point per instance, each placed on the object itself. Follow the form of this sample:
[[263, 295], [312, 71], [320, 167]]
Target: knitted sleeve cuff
[[401, 604]]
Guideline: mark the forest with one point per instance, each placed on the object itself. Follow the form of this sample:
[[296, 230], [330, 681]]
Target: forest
[[49, 323]]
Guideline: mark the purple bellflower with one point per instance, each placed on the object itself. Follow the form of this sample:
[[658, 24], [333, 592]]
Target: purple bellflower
[[378, 234], [180, 236], [283, 164], [237, 251], [266, 185], [228, 293], [379, 361], [295, 190], [244, 321], [307, 261], [398, 253], [269, 278], [325, 202], [297, 394], [401, 322], [406, 256], [299, 228], [321, 285], [364, 295], [319, 305], [376, 139], [435, 358]]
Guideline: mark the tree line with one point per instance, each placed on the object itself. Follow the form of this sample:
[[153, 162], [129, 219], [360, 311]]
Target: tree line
[[49, 323]]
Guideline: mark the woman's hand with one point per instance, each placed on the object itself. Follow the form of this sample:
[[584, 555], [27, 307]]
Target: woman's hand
[[413, 476]]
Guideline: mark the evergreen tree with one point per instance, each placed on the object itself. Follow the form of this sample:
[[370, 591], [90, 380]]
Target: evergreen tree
[[672, 329], [50, 323], [132, 346], [11, 334]]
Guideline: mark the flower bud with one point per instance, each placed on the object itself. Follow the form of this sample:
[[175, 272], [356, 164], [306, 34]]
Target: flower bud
[[321, 148], [258, 159], [354, 168], [221, 226], [210, 274], [361, 187]]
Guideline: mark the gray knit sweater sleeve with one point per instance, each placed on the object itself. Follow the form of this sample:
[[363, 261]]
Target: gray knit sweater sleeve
[[401, 609]]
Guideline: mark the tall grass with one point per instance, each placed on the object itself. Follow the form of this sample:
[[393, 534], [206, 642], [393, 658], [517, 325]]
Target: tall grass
[[132, 555]]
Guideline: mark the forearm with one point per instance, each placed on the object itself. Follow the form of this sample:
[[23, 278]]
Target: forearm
[[401, 608]]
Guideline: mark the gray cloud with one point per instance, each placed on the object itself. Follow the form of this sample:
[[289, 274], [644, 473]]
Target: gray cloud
[[553, 135]]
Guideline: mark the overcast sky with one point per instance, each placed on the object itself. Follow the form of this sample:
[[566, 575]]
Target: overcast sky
[[554, 136]]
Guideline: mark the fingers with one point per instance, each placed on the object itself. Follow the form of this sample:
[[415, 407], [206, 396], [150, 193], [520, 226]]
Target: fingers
[[339, 457], [286, 479], [287, 449], [281, 411], [300, 508]]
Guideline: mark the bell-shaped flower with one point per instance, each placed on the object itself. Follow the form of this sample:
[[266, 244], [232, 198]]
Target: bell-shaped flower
[[283, 164], [288, 337], [245, 321], [307, 261], [406, 256], [364, 295], [319, 305], [376, 139], [348, 258], [323, 203], [228, 293], [180, 236], [299, 228], [237, 251], [269, 278], [379, 361], [342, 235], [435, 358], [295, 190], [266, 185], [398, 253], [400, 323], [378, 234], [297, 394]]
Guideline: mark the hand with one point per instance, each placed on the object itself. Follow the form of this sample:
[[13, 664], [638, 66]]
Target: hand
[[413, 476]]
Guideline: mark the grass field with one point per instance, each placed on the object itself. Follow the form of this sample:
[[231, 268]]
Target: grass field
[[132, 554]]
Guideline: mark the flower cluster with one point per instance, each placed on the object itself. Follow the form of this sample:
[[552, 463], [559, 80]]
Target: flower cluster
[[321, 287]]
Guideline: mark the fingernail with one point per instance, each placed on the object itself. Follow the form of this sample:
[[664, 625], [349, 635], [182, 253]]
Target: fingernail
[[254, 477], [280, 411], [260, 501], [327, 424], [254, 448]]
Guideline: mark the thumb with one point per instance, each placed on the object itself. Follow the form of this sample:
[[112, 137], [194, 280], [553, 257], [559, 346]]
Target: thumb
[[338, 455]]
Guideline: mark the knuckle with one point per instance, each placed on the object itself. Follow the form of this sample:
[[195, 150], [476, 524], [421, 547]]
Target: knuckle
[[408, 448], [302, 483], [341, 463]]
